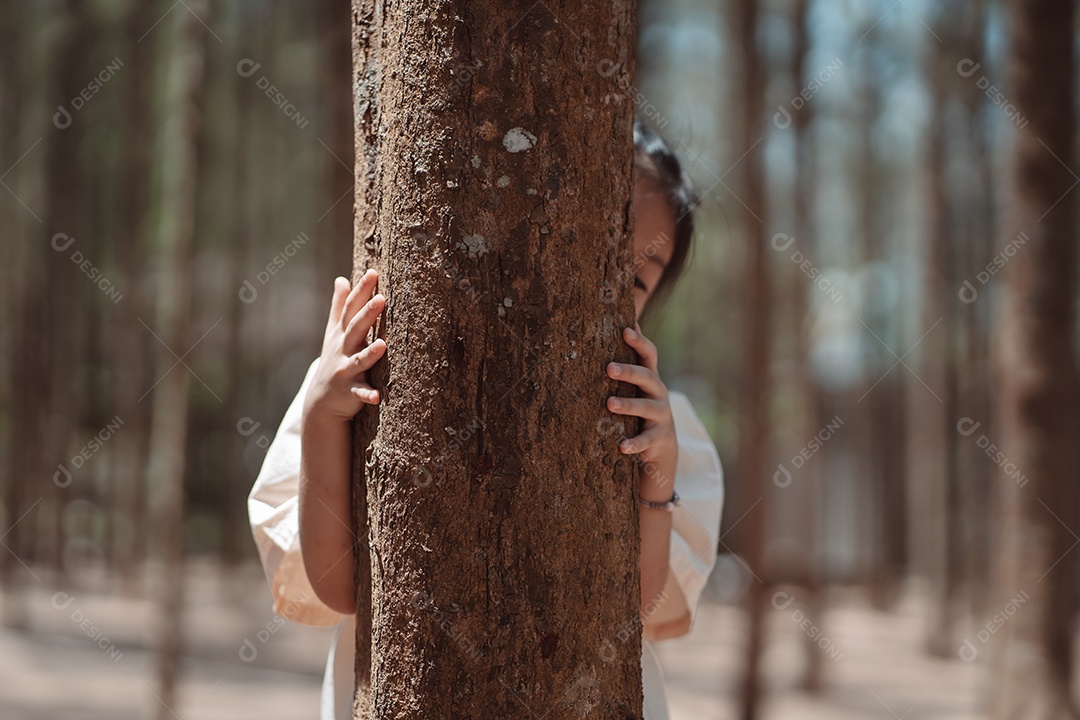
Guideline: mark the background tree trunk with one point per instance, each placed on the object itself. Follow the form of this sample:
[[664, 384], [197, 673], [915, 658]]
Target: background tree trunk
[[755, 331], [23, 270], [493, 195], [64, 227], [975, 470], [1035, 552], [934, 389], [168, 442], [810, 420], [129, 348]]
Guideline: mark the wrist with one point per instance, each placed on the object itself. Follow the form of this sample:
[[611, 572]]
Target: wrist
[[657, 479], [317, 422], [655, 487], [668, 505]]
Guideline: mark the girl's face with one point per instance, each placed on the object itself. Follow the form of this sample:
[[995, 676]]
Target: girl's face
[[654, 233]]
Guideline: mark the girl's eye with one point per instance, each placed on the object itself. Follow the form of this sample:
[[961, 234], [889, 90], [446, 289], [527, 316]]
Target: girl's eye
[[638, 283]]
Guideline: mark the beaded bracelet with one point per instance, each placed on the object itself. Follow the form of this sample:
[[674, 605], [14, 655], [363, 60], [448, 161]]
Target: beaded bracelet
[[669, 506]]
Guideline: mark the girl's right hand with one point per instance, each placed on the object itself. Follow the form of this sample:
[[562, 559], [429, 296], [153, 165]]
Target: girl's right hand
[[340, 386]]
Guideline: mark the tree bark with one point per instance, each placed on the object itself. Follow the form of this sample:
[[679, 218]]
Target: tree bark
[[1035, 554], [493, 169]]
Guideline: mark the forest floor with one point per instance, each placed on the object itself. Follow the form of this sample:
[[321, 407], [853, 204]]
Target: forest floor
[[86, 656]]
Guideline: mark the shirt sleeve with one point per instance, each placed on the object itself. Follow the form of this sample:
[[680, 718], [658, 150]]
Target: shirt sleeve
[[273, 511], [695, 526]]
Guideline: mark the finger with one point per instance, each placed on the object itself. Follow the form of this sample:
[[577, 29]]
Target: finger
[[361, 323], [359, 296], [337, 302], [366, 393], [362, 361], [639, 407], [645, 378], [645, 348], [640, 443]]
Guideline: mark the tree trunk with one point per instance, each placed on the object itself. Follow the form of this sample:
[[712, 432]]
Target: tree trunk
[[1038, 401], [809, 487], [934, 389], [25, 290], [975, 468], [128, 526], [332, 252], [63, 228], [175, 236], [753, 420], [493, 186]]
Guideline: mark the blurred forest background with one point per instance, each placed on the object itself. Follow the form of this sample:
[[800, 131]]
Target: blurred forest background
[[176, 201]]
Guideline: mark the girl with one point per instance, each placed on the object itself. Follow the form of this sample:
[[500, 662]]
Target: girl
[[299, 506]]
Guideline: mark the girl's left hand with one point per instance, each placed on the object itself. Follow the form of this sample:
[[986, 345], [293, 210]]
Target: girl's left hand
[[657, 441]]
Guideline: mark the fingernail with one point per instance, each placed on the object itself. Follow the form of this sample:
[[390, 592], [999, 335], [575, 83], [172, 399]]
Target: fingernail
[[616, 403], [630, 333], [613, 369]]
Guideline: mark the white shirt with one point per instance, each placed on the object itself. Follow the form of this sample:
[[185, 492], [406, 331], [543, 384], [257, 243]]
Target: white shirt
[[273, 510]]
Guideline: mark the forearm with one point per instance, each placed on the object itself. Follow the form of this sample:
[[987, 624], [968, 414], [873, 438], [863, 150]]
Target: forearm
[[655, 526], [326, 537]]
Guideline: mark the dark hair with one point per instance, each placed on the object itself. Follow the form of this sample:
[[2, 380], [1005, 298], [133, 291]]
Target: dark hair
[[657, 164]]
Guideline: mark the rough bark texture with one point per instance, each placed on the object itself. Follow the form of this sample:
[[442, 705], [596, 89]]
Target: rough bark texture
[[1036, 554], [493, 167]]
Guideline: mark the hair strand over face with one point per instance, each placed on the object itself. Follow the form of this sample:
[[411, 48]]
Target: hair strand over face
[[656, 163]]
